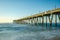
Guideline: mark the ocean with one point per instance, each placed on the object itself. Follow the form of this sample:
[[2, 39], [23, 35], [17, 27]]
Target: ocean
[[11, 31]]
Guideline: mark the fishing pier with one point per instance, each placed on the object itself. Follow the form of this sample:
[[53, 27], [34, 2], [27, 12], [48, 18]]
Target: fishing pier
[[49, 16]]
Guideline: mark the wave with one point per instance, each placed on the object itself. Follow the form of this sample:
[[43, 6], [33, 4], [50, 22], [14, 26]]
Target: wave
[[24, 32], [43, 35]]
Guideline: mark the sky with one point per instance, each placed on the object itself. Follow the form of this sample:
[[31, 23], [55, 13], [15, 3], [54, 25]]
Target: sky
[[16, 9]]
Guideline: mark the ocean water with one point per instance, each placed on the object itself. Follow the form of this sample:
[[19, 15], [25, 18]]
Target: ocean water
[[9, 31]]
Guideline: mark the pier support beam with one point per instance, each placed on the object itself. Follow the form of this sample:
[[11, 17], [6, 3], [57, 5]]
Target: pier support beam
[[55, 20], [50, 20], [59, 20], [36, 20], [42, 23], [31, 22], [42, 20], [46, 22], [59, 17]]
